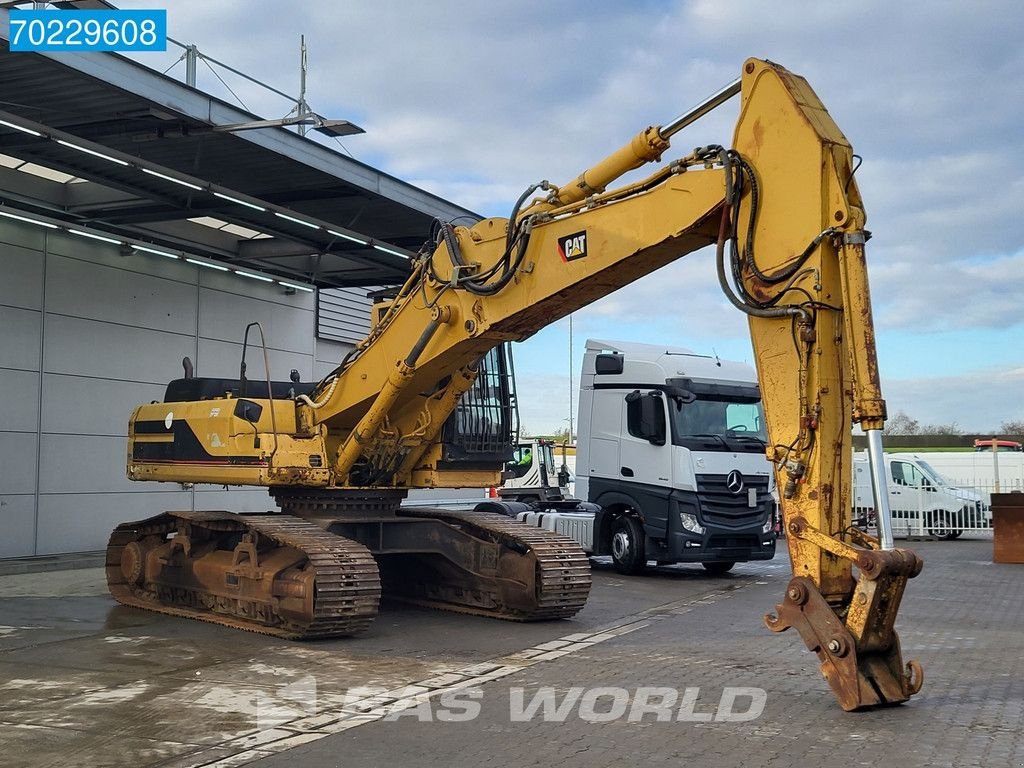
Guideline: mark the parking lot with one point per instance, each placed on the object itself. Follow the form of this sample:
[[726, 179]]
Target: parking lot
[[88, 683]]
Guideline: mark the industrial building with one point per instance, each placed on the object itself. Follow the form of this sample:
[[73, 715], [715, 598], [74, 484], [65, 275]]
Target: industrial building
[[143, 221]]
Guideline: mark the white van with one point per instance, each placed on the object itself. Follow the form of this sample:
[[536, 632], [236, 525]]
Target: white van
[[922, 500]]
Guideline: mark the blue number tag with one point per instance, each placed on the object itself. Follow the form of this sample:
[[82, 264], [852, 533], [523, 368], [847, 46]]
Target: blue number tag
[[135, 30]]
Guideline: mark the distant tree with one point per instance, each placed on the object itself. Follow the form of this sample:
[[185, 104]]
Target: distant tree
[[1012, 427], [940, 429], [561, 436], [901, 424], [525, 431]]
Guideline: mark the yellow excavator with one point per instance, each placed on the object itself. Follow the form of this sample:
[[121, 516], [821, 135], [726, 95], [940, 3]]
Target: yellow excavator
[[425, 401]]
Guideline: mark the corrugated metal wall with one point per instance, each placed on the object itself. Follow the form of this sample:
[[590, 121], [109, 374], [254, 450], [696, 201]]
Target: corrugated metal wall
[[343, 314], [87, 333]]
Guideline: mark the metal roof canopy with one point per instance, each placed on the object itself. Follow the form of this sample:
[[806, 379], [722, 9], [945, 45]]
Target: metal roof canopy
[[146, 146]]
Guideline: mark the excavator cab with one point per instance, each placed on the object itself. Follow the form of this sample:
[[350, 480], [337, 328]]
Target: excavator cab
[[483, 430]]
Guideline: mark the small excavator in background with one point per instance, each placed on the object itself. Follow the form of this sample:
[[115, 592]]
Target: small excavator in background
[[425, 401]]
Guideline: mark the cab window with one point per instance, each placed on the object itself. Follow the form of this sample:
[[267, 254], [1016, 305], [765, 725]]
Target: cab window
[[905, 473], [522, 459]]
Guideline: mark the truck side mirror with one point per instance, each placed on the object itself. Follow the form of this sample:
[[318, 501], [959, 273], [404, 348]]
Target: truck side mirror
[[645, 416], [606, 364]]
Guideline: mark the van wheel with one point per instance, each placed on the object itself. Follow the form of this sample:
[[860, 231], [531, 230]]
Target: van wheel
[[941, 526], [628, 553], [718, 569]]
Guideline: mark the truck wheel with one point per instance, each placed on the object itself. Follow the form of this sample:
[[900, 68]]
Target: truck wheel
[[718, 569], [628, 553]]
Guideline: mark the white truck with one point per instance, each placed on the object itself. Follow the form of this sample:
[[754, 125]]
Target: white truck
[[671, 458], [922, 500]]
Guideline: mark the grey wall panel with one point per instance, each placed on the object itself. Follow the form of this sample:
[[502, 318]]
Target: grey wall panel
[[17, 525], [24, 235], [255, 289], [223, 317], [98, 292], [219, 358], [234, 499], [328, 355], [19, 338], [85, 406], [104, 350], [75, 247], [83, 464], [22, 271], [18, 452], [80, 523], [113, 327], [19, 401]]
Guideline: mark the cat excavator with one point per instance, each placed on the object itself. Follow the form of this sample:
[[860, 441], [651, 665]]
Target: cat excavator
[[426, 401]]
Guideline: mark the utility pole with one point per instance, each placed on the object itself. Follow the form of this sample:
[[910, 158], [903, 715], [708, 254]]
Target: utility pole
[[570, 378], [302, 108]]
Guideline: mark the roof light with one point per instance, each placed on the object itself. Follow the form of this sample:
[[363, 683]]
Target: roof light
[[165, 177], [29, 131], [28, 220], [251, 276], [297, 221], [305, 288], [389, 250], [92, 152], [93, 236], [208, 265], [158, 252], [255, 207], [359, 240]]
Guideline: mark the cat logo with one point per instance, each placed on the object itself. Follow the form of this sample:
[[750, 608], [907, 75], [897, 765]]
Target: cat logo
[[573, 246]]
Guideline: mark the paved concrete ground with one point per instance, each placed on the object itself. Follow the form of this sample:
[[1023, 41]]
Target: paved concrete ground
[[84, 682]]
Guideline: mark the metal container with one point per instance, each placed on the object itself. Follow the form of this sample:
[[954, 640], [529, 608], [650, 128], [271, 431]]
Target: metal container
[[1008, 528]]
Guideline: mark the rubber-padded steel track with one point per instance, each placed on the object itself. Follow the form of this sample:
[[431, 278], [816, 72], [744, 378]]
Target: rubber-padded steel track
[[346, 581], [562, 572]]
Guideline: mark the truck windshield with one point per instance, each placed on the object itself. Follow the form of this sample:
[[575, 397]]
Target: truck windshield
[[718, 423]]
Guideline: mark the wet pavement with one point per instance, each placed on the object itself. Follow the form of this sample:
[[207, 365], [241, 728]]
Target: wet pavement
[[84, 682]]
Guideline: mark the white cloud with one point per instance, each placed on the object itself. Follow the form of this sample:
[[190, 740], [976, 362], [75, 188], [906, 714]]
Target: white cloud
[[977, 401], [475, 101]]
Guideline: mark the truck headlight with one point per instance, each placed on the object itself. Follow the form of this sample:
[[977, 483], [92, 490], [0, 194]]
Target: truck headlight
[[690, 522], [768, 524]]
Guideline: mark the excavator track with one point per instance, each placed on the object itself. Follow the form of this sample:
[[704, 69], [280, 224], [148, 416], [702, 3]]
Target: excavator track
[[149, 565], [562, 569], [480, 563]]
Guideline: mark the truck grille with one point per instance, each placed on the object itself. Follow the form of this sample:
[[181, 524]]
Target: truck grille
[[720, 506]]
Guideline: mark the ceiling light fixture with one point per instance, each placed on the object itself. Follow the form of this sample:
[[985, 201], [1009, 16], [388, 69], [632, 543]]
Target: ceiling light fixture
[[165, 177], [359, 240], [92, 236], [158, 252], [251, 276], [297, 221], [28, 220], [255, 207], [207, 264], [92, 152], [293, 286], [29, 131]]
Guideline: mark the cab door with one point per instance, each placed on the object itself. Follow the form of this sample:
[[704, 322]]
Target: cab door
[[645, 457]]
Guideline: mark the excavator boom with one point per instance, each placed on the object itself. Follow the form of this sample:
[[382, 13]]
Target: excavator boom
[[784, 209]]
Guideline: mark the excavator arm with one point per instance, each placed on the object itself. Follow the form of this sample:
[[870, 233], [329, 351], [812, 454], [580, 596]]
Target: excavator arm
[[784, 209]]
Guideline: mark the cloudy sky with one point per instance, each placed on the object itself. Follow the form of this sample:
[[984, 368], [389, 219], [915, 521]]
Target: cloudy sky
[[476, 100]]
